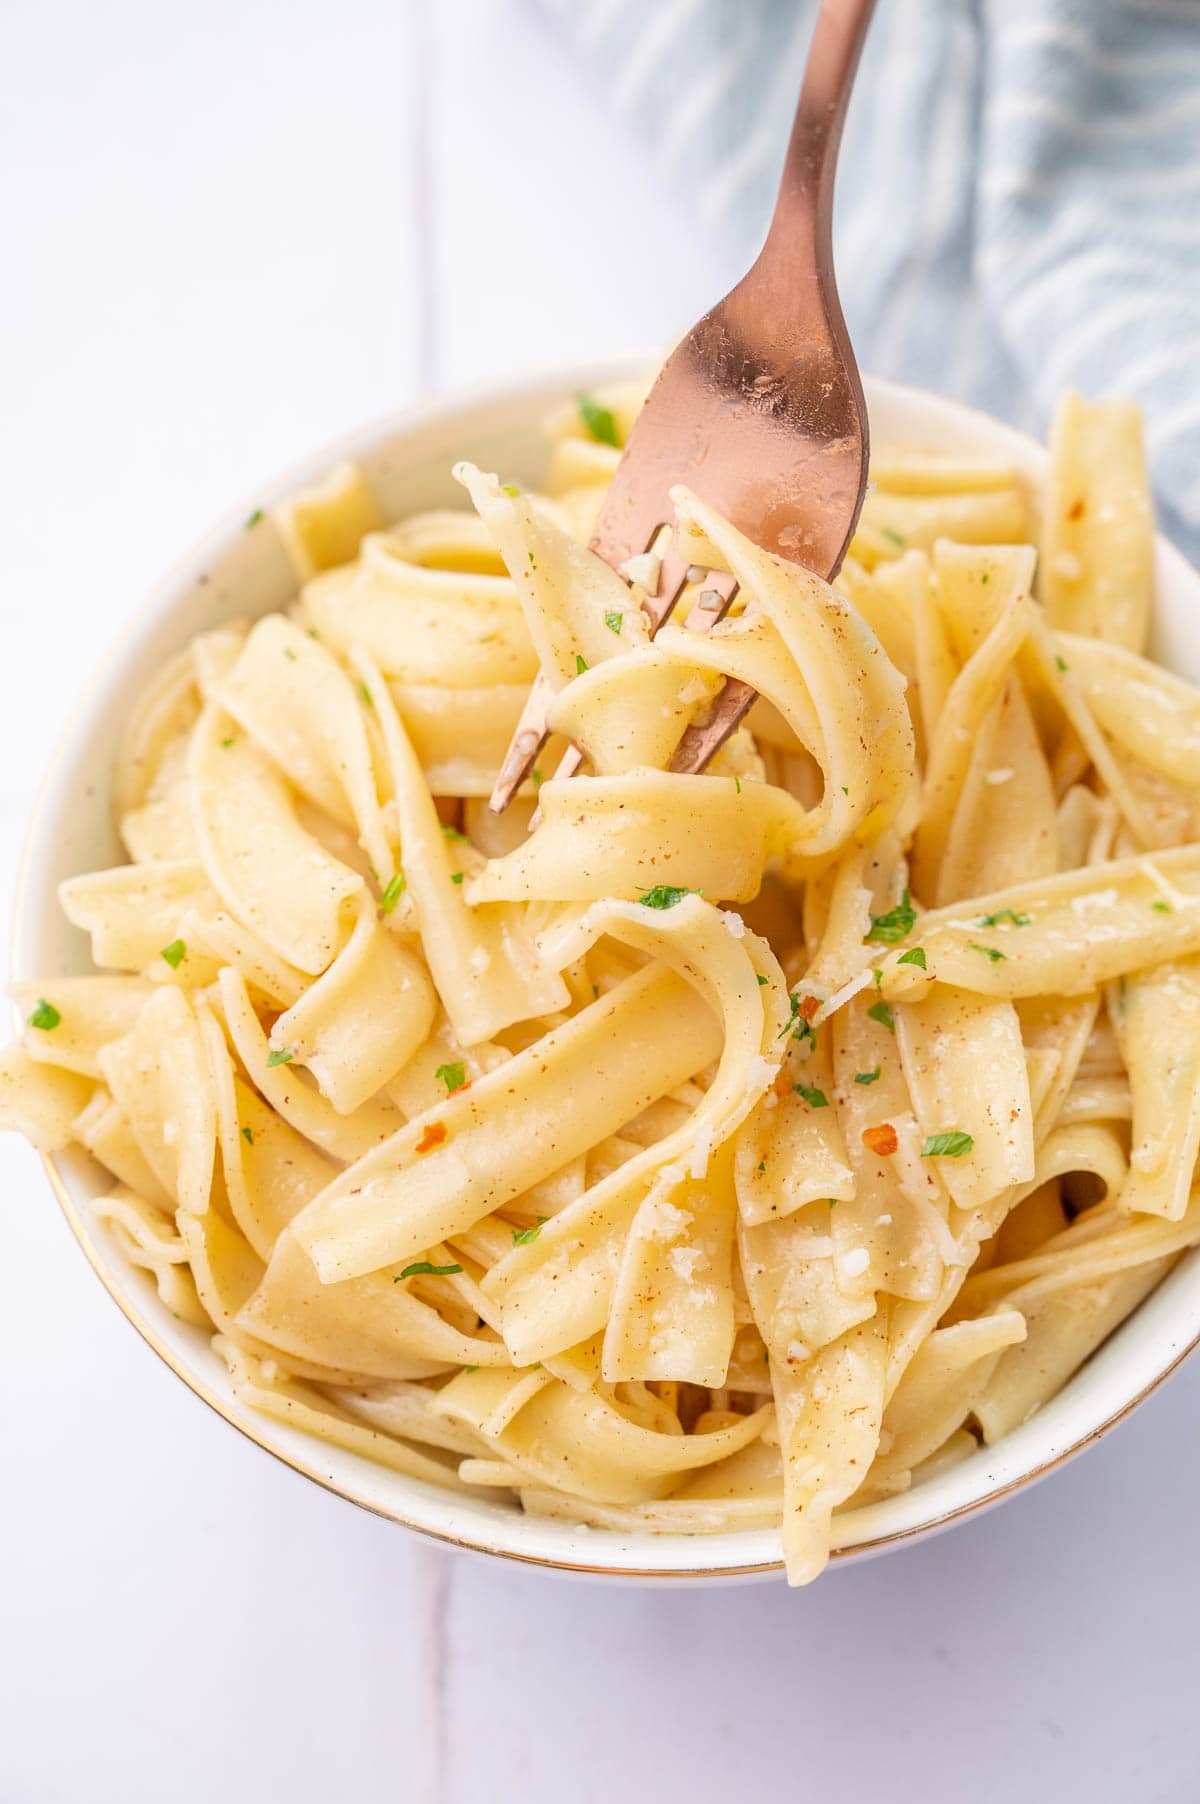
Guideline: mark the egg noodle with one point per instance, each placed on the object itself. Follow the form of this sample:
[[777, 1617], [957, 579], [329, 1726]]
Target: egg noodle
[[694, 1153]]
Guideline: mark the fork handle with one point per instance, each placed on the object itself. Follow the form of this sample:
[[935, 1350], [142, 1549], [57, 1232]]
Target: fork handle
[[803, 210], [804, 203]]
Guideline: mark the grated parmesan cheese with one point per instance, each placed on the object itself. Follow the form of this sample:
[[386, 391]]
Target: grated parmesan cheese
[[1003, 774], [661, 1220], [841, 997], [685, 1262], [856, 1262], [734, 924], [1101, 898]]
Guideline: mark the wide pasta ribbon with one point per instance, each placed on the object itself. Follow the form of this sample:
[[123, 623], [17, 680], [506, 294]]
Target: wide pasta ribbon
[[489, 1142], [556, 1291]]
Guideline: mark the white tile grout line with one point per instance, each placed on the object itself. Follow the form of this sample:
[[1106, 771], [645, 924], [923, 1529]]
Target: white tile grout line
[[432, 1571], [422, 70]]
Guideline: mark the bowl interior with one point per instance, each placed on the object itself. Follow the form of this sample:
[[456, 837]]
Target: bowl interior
[[244, 573]]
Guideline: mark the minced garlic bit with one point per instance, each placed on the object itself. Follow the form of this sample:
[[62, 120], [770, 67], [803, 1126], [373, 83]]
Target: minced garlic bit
[[644, 569]]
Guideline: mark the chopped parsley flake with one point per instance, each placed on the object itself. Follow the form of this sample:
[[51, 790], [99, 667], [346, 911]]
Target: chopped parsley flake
[[396, 887], [762, 1165], [762, 982], [523, 1237], [365, 693], [248, 1136], [737, 784], [451, 832], [816, 1099], [882, 1012], [868, 1077], [1018, 918], [1061, 662], [914, 956], [614, 621], [453, 1076], [1161, 908], [470, 1368], [878, 977], [281, 1058], [537, 776], [895, 925], [664, 896], [289, 653], [897, 538], [951, 1145], [456, 876], [991, 952], [509, 488], [423, 1269], [254, 518], [227, 742], [174, 954], [598, 420], [45, 1016], [580, 663]]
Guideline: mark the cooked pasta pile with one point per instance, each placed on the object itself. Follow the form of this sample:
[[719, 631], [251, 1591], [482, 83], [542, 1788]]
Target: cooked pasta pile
[[696, 1152]]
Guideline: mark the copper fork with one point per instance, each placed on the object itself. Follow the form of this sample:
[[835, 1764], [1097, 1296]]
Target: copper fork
[[759, 409]]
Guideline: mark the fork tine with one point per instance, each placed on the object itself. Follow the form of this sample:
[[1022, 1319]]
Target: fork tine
[[731, 702], [524, 746], [729, 708], [699, 620], [704, 615], [532, 729]]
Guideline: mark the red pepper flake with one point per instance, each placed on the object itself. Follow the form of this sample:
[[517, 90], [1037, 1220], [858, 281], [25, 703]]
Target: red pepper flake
[[807, 1007], [1075, 511], [881, 1139], [435, 1133]]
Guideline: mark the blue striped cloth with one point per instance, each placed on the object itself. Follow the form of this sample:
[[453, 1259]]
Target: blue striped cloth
[[1018, 204]]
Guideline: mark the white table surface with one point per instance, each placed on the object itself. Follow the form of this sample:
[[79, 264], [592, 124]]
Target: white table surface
[[232, 230]]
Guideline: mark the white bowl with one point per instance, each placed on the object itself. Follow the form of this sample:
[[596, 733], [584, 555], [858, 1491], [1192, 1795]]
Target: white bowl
[[407, 459]]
